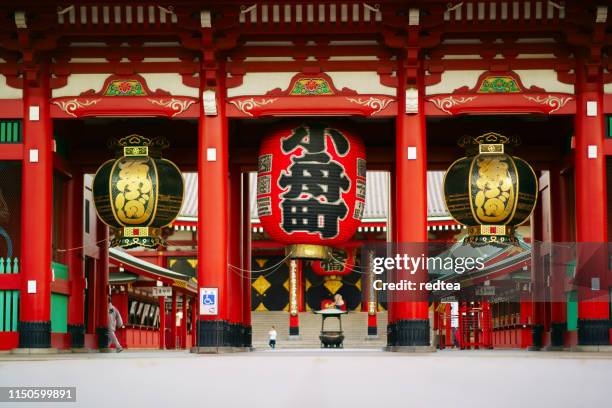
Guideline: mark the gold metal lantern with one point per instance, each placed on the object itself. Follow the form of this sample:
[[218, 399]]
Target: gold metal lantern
[[138, 193], [490, 191]]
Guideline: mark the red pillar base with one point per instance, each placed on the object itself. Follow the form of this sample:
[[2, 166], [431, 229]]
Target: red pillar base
[[34, 334], [408, 333], [77, 335], [594, 332], [294, 325], [372, 325], [214, 333]]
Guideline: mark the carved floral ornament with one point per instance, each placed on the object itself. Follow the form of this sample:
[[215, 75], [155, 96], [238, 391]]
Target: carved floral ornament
[[247, 105], [73, 105], [552, 101], [297, 99], [500, 92], [124, 96], [446, 103], [377, 104]]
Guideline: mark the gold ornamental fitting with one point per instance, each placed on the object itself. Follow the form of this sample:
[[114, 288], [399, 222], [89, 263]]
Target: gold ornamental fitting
[[489, 230], [488, 143], [137, 145], [307, 251], [371, 308], [491, 148], [131, 232]]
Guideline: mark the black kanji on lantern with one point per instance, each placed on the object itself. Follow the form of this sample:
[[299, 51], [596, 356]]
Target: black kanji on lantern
[[314, 182], [312, 216], [313, 138], [317, 178]]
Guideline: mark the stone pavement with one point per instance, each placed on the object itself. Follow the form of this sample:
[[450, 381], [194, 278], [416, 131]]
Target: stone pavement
[[320, 378]]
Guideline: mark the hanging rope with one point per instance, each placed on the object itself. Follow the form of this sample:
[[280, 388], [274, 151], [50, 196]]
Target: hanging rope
[[239, 271], [81, 247]]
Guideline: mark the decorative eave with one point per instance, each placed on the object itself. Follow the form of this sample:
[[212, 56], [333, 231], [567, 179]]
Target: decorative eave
[[311, 95], [138, 266], [125, 96], [499, 93]]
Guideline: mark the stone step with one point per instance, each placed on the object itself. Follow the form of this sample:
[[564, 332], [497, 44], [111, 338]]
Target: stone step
[[354, 325]]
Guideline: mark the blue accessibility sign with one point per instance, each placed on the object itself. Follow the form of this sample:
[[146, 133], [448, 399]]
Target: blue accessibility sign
[[209, 301]]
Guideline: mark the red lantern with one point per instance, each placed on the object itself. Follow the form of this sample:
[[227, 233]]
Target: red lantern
[[340, 262], [311, 187]]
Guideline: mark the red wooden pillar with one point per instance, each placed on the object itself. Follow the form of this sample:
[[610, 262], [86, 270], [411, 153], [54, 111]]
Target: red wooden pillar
[[194, 321], [391, 237], [539, 232], [235, 272], [246, 260], [184, 322], [162, 322], [410, 325], [173, 344], [448, 334], [74, 260], [560, 213], [591, 210], [102, 285], [36, 214], [213, 208]]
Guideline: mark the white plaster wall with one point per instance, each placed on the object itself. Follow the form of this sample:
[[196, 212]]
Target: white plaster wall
[[452, 80], [78, 83], [544, 78], [7, 92], [258, 83], [362, 82], [171, 82]]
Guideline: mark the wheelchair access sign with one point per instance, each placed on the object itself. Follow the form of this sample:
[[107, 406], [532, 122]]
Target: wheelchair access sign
[[209, 301]]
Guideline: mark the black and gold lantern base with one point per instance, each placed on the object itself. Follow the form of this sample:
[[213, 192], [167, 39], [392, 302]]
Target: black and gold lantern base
[[490, 234], [307, 251], [131, 237]]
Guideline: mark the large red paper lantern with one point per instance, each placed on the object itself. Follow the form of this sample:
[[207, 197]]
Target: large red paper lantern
[[311, 187]]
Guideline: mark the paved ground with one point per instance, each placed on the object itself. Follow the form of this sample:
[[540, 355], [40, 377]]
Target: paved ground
[[320, 379]]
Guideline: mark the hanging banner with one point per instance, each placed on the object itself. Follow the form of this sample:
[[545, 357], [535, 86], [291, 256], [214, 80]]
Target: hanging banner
[[209, 301]]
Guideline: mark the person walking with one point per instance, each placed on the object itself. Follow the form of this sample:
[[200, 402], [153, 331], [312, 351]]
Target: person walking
[[114, 322], [272, 337]]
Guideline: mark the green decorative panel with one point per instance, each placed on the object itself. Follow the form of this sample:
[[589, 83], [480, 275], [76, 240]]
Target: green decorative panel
[[125, 87], [311, 86], [499, 84], [59, 313], [10, 131], [9, 299], [60, 271], [59, 302], [572, 310]]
